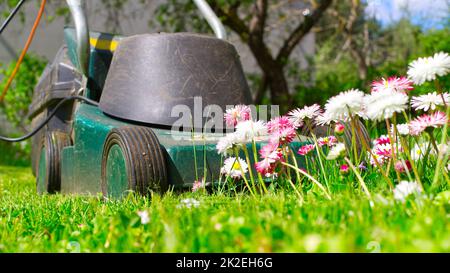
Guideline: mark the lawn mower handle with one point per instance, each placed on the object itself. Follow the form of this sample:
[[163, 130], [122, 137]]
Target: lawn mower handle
[[82, 29], [212, 19]]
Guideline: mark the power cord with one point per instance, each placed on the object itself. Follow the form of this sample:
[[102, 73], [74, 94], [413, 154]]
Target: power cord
[[49, 117]]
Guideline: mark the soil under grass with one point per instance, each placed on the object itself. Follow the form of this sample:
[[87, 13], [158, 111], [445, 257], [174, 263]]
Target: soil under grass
[[272, 223]]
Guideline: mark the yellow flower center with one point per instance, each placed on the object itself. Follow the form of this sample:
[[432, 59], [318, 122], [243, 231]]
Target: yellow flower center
[[236, 166]]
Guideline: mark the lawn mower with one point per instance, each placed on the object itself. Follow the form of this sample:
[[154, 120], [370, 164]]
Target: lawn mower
[[105, 106]]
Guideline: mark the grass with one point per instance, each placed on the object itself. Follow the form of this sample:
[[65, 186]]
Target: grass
[[272, 223]]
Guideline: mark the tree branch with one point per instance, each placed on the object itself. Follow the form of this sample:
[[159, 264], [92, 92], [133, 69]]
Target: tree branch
[[258, 21], [232, 20], [301, 30]]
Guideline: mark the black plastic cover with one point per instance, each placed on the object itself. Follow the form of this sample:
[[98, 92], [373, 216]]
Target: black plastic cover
[[152, 73]]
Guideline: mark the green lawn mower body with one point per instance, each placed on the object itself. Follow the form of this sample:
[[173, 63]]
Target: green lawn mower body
[[126, 143]]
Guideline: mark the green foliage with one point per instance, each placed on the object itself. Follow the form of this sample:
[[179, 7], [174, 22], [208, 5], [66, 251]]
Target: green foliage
[[7, 5], [15, 106], [20, 93], [401, 44], [272, 223]]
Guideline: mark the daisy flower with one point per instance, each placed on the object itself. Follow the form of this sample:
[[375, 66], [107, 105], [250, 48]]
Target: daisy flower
[[226, 144], [399, 84], [404, 189], [400, 166], [344, 105], [428, 68], [344, 169], [249, 129], [238, 113], [444, 149], [323, 119], [429, 101], [336, 152], [374, 158], [189, 203], [382, 140], [284, 136], [419, 150], [271, 156], [305, 149], [402, 129], [265, 168], [270, 150], [339, 129], [145, 217], [434, 120], [297, 116], [279, 123], [329, 141], [282, 130], [232, 167], [197, 186], [383, 150], [383, 104]]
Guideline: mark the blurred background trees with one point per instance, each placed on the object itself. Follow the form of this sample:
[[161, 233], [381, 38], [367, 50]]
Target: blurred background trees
[[301, 51]]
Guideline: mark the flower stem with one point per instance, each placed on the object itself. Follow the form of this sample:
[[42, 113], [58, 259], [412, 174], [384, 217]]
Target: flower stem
[[195, 155], [242, 172], [366, 145], [250, 169], [355, 149], [296, 190], [441, 153], [310, 177], [360, 179], [393, 142], [318, 155], [433, 142], [297, 172], [255, 156], [439, 90], [413, 164]]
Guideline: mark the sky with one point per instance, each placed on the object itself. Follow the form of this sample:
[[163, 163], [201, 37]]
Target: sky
[[425, 13]]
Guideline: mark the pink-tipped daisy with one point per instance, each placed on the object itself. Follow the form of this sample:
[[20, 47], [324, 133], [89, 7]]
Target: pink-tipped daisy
[[197, 186], [279, 123], [329, 141], [383, 150], [399, 84], [238, 113], [284, 136], [271, 155], [305, 149], [382, 140], [374, 158], [282, 130], [264, 167], [402, 166], [344, 169], [434, 120], [298, 116], [270, 151]]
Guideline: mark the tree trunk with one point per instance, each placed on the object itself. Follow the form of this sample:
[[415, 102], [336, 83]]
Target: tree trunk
[[273, 72], [279, 91], [360, 60]]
